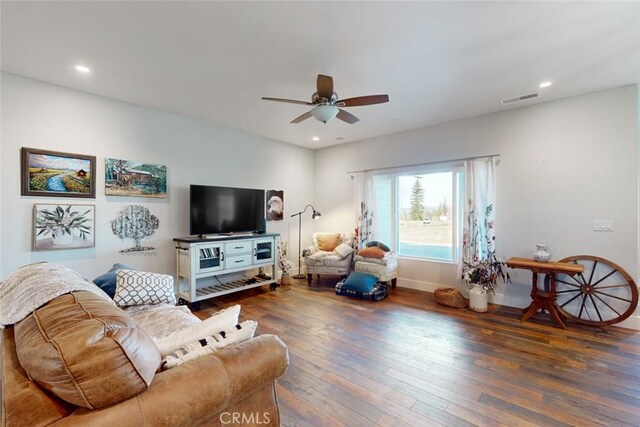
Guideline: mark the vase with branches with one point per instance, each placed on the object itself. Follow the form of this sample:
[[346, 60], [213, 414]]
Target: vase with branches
[[284, 263]]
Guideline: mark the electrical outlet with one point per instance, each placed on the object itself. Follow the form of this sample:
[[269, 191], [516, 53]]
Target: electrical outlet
[[602, 225]]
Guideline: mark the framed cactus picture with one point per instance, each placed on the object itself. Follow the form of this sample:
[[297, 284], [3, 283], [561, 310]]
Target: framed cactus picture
[[58, 227], [56, 174]]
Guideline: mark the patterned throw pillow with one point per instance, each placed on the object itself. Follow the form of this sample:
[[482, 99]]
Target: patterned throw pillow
[[217, 341], [343, 250], [141, 288]]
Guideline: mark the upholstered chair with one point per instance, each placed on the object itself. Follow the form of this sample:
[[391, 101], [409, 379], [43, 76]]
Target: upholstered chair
[[331, 253]]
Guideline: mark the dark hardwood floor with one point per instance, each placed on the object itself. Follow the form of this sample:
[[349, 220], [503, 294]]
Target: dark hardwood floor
[[406, 360]]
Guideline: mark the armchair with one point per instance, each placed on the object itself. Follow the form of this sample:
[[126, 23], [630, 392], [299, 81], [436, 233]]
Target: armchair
[[331, 253]]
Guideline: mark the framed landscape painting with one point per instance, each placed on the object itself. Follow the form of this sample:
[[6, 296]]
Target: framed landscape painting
[[135, 179], [56, 174], [63, 226]]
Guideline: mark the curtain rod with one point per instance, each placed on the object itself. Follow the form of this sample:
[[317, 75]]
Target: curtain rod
[[428, 163]]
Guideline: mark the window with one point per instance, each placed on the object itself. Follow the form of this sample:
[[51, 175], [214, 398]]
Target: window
[[420, 212]]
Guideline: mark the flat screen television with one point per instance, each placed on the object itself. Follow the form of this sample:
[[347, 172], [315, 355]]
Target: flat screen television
[[226, 210]]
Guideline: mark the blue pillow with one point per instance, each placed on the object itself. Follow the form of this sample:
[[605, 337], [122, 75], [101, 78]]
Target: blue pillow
[[107, 282], [361, 282]]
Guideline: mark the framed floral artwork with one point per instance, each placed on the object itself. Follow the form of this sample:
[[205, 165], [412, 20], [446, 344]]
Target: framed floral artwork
[[59, 226]]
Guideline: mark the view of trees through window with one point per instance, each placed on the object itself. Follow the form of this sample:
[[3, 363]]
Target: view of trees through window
[[425, 220]]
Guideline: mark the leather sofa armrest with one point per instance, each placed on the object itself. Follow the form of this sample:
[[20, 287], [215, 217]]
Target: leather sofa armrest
[[196, 390]]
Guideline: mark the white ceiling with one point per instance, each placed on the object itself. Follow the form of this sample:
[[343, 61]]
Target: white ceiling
[[214, 60]]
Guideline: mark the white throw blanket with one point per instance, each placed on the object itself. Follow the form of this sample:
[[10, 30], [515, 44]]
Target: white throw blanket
[[34, 285]]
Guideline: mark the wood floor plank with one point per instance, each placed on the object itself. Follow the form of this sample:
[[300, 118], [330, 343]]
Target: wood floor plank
[[409, 361]]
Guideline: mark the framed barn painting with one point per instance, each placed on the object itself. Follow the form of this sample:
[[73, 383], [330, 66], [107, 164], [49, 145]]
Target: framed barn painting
[[56, 174], [135, 179], [59, 226]]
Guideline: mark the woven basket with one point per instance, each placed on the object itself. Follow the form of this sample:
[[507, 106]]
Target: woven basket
[[450, 297]]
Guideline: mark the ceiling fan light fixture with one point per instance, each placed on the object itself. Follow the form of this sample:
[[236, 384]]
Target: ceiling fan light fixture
[[324, 113]]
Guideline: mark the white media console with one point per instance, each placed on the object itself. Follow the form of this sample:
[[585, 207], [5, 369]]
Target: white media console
[[206, 266]]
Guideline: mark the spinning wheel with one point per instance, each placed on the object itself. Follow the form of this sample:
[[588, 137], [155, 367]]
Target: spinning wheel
[[603, 294]]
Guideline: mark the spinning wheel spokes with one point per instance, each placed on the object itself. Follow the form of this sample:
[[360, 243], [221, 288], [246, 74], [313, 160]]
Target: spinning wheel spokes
[[608, 296]]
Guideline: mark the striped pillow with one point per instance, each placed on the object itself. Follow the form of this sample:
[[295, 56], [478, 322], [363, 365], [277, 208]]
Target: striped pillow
[[239, 333]]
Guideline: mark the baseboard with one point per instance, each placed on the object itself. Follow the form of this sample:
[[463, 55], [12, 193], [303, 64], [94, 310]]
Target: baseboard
[[632, 322], [418, 285]]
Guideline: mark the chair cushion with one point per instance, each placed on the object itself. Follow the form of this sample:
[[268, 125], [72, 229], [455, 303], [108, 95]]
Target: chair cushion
[[372, 252], [343, 250], [86, 351], [328, 241], [326, 259]]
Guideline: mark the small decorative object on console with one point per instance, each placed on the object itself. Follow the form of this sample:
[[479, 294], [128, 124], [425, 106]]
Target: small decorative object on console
[[542, 252]]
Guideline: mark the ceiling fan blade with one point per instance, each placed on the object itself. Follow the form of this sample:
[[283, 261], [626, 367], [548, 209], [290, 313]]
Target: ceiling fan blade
[[305, 116], [290, 101], [363, 100], [325, 86], [347, 117]]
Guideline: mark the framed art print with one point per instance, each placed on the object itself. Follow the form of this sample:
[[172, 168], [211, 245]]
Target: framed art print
[[56, 174], [60, 226]]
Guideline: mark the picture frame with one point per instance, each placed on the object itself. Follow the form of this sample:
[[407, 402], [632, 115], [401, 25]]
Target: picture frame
[[133, 178], [57, 174], [275, 205], [59, 226]]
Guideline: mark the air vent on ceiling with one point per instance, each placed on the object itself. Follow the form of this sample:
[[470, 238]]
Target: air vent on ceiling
[[340, 138], [519, 98]]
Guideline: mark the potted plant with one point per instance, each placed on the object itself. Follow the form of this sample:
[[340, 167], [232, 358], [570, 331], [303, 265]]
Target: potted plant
[[61, 223], [481, 276], [284, 263]]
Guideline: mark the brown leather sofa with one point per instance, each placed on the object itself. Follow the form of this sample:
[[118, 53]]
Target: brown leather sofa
[[233, 386]]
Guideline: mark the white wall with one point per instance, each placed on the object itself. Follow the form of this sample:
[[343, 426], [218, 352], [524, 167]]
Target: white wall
[[563, 164], [40, 115]]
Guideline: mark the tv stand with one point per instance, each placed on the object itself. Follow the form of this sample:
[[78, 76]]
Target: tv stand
[[203, 262]]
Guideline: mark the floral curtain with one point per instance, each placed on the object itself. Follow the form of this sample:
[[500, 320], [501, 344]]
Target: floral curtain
[[364, 207], [478, 235]]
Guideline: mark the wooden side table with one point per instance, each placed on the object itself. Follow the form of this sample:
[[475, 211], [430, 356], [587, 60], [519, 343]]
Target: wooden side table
[[544, 299]]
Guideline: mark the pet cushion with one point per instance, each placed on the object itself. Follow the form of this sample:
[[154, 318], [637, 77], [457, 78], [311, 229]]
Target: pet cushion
[[107, 282], [220, 321], [86, 351], [141, 287], [361, 282], [378, 292], [328, 241], [233, 335], [372, 252], [343, 250]]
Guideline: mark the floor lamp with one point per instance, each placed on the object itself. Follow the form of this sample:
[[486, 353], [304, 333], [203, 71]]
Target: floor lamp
[[315, 215]]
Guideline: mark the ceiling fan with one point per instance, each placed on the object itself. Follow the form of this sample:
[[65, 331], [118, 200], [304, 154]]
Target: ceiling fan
[[326, 104]]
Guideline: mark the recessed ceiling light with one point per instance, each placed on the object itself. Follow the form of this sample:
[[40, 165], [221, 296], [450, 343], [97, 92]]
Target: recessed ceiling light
[[315, 138], [82, 69], [545, 84]]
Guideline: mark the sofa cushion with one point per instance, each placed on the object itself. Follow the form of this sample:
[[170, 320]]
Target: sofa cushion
[[141, 287], [328, 241], [107, 282], [222, 320], [219, 340], [86, 351]]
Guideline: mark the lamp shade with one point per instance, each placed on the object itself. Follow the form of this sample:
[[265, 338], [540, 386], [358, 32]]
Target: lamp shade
[[324, 113]]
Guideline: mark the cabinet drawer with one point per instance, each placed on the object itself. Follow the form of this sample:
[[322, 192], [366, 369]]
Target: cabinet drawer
[[237, 261], [239, 247]]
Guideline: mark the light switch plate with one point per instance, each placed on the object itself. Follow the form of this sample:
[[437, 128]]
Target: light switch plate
[[602, 225]]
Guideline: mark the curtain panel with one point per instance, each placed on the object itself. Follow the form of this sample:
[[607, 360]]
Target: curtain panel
[[364, 207], [478, 235]]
